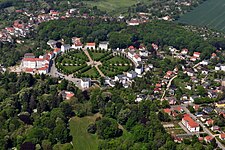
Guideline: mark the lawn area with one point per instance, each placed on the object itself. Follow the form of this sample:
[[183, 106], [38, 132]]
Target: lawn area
[[91, 72], [116, 6], [211, 14], [96, 56], [116, 59], [71, 68], [82, 140]]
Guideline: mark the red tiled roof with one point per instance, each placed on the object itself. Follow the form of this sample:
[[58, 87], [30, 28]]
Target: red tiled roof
[[222, 135], [190, 121], [90, 44], [33, 59], [167, 110], [208, 138], [57, 50], [136, 56], [29, 70], [210, 121]]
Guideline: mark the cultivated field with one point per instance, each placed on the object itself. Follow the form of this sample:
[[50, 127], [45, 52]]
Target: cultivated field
[[211, 14]]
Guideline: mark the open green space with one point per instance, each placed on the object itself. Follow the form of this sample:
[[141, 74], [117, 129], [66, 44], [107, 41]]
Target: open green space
[[91, 73], [211, 14], [116, 6], [117, 59], [82, 140]]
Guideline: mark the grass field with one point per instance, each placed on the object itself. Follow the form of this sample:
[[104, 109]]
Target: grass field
[[116, 6], [82, 140], [211, 14], [91, 72]]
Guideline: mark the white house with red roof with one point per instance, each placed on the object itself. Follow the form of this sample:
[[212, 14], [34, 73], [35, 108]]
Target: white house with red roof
[[208, 138], [190, 124], [136, 58], [133, 22], [90, 46], [77, 44], [184, 51], [222, 136], [197, 54]]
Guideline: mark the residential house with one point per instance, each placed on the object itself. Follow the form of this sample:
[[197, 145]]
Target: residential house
[[215, 128], [77, 44], [65, 47], [133, 22], [136, 58], [222, 67], [184, 51], [209, 122], [207, 110], [197, 55], [131, 74], [190, 72], [85, 83], [208, 138], [90, 46], [190, 124], [139, 70], [168, 111], [57, 51], [222, 136], [143, 53], [104, 45], [67, 95]]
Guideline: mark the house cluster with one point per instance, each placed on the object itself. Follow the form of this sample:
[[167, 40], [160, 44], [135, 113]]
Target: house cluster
[[77, 44]]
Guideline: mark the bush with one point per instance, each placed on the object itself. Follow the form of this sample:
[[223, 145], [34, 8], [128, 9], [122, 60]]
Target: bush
[[92, 128]]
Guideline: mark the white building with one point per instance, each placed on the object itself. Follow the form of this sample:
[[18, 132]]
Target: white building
[[85, 83], [143, 53], [190, 124], [104, 45], [90, 46], [131, 74], [65, 47], [139, 70]]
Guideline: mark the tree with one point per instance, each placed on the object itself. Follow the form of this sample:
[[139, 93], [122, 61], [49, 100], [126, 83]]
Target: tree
[[107, 128]]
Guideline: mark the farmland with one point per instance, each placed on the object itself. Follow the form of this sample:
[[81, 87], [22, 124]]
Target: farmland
[[211, 14]]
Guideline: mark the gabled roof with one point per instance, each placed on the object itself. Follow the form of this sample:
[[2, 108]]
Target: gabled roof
[[190, 121], [90, 44]]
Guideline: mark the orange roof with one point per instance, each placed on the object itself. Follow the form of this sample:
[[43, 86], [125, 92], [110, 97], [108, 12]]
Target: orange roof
[[210, 121], [178, 108], [57, 50], [43, 68], [90, 44], [214, 54], [222, 135], [197, 53], [158, 85], [136, 56], [190, 121], [33, 59], [208, 138], [29, 70], [167, 110]]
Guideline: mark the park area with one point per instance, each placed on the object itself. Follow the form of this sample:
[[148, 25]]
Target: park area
[[77, 63], [81, 138], [211, 14]]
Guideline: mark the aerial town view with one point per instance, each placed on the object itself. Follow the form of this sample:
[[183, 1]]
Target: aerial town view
[[112, 75]]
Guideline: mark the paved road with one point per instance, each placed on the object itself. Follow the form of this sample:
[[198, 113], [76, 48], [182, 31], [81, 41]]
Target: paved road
[[168, 86], [220, 145], [54, 73]]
